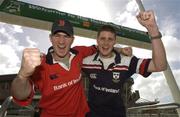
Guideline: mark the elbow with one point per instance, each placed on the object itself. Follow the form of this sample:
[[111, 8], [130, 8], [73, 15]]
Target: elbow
[[162, 67]]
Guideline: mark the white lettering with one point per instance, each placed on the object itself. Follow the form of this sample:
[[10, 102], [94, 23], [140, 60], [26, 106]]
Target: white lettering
[[106, 89], [64, 85], [60, 86]]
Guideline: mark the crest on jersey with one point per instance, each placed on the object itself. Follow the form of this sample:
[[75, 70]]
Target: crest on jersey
[[116, 77], [61, 22], [93, 76]]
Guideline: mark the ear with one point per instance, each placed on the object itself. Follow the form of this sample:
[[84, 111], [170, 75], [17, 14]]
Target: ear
[[72, 40], [115, 38], [50, 37], [115, 41], [97, 40]]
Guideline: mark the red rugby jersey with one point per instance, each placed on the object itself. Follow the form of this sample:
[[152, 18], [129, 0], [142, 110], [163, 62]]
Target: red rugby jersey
[[61, 89]]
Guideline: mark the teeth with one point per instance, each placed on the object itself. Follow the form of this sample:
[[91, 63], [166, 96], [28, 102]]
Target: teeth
[[61, 46], [105, 48]]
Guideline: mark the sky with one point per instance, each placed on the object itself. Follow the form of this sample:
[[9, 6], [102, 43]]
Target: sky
[[13, 38]]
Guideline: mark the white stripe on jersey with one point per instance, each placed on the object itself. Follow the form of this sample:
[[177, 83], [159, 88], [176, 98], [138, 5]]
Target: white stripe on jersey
[[118, 68], [91, 67]]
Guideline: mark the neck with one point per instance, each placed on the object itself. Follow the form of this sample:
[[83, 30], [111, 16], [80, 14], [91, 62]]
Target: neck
[[64, 60], [106, 56], [61, 59]]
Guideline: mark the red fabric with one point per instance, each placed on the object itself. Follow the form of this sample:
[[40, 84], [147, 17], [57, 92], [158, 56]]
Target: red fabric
[[143, 70], [142, 67]]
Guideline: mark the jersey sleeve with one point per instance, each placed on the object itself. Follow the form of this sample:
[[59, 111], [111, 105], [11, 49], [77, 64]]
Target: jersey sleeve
[[86, 50], [140, 66]]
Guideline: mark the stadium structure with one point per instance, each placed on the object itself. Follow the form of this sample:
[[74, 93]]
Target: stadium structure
[[25, 14]]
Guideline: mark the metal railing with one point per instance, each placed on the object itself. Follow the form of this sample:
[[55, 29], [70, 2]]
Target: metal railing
[[157, 106], [4, 106], [153, 115], [8, 107], [8, 101]]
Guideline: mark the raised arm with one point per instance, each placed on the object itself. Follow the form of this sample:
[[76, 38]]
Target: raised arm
[[159, 61], [21, 87]]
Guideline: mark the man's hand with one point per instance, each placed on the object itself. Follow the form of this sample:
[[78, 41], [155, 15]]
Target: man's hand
[[147, 19], [127, 51], [30, 60]]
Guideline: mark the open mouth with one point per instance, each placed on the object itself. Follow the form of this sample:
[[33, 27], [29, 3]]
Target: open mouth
[[105, 48], [61, 47]]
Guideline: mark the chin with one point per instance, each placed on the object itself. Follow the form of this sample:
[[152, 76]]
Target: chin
[[105, 55]]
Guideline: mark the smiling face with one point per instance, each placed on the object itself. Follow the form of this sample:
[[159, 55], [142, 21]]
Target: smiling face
[[61, 43], [106, 41]]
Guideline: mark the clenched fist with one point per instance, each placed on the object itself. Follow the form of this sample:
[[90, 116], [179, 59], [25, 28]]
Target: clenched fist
[[147, 19], [127, 51], [31, 58]]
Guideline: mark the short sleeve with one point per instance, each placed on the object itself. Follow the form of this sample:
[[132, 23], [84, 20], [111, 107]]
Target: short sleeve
[[140, 66]]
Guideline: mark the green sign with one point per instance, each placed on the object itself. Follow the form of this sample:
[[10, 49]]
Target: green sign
[[46, 14]]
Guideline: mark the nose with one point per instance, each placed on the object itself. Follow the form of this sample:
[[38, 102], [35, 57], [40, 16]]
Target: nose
[[106, 42], [61, 40]]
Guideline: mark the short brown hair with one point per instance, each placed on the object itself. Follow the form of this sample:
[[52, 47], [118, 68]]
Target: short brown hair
[[108, 28]]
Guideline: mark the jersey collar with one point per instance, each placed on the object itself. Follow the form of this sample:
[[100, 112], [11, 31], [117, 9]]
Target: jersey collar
[[117, 57], [49, 58]]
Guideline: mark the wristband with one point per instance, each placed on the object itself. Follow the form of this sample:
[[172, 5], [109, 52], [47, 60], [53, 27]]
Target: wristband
[[157, 36]]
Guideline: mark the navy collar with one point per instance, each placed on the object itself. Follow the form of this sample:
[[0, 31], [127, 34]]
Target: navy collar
[[117, 57]]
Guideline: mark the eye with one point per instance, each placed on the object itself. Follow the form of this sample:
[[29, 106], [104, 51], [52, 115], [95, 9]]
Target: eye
[[56, 36], [102, 38], [67, 36], [61, 36]]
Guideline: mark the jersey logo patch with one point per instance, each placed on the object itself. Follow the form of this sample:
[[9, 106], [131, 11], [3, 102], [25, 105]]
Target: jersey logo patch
[[53, 76], [116, 77], [93, 76]]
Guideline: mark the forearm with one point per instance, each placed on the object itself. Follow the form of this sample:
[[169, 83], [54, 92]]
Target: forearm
[[158, 52], [159, 55], [20, 88]]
